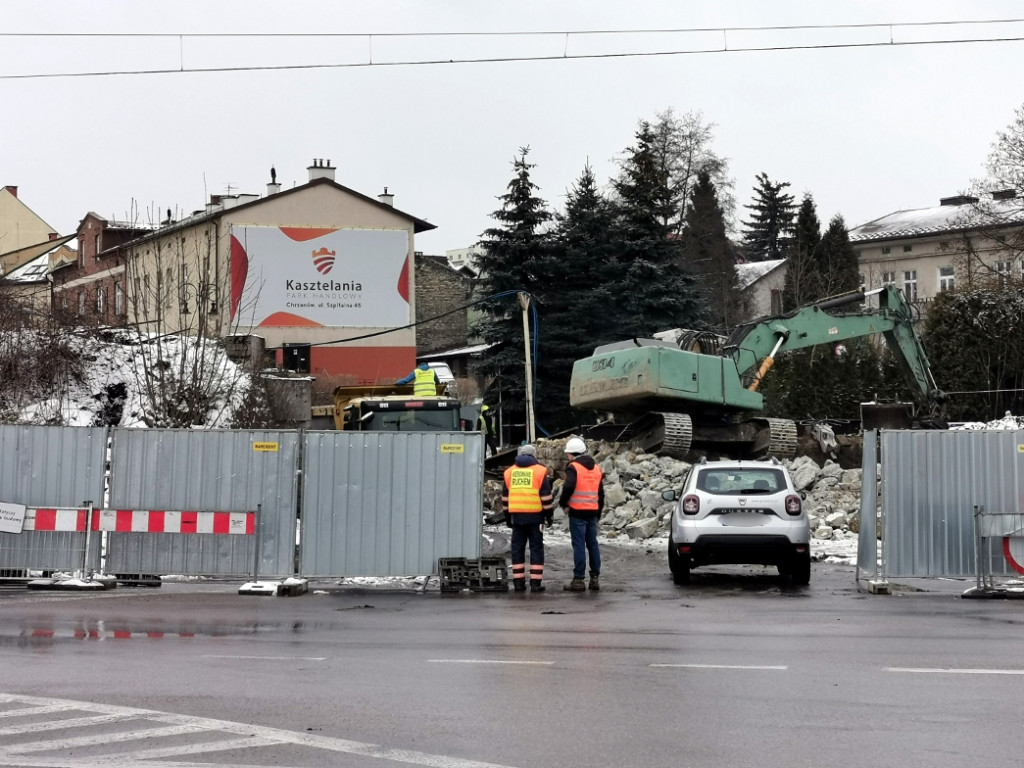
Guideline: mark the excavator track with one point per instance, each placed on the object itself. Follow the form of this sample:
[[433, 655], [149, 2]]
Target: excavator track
[[678, 435], [782, 443]]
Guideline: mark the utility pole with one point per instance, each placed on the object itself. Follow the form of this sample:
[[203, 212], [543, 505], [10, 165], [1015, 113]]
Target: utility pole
[[531, 431]]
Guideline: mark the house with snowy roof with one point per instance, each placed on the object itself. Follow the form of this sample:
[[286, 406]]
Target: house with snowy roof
[[963, 241]]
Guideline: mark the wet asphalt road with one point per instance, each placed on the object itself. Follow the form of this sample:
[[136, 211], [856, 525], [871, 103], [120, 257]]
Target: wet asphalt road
[[736, 669]]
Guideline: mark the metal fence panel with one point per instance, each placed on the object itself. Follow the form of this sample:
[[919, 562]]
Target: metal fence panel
[[931, 482], [51, 467], [389, 503], [867, 538], [211, 470]]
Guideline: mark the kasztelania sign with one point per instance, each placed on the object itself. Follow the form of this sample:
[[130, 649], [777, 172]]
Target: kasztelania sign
[[290, 276]]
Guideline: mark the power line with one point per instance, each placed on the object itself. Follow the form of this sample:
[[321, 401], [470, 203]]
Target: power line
[[564, 56]]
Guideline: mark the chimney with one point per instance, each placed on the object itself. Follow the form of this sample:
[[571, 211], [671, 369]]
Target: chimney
[[321, 169], [386, 198], [12, 190], [957, 200], [273, 187], [1004, 194]]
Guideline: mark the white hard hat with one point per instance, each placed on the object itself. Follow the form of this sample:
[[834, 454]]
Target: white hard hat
[[575, 445]]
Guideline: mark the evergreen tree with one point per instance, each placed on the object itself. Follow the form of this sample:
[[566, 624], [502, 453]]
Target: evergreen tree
[[653, 292], [515, 256], [838, 266], [802, 276], [766, 235], [709, 255], [575, 304]]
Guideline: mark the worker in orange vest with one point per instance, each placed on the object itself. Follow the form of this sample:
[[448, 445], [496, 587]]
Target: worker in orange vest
[[582, 499], [528, 503]]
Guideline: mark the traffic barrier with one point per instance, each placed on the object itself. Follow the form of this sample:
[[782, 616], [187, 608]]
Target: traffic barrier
[[141, 521]]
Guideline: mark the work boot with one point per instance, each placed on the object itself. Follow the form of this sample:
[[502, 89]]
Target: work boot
[[519, 585], [576, 585], [536, 586], [595, 583]]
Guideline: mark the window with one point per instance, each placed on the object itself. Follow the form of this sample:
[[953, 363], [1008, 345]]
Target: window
[[888, 278], [886, 250], [96, 244], [910, 284], [118, 299], [861, 281], [145, 295], [81, 302], [776, 299], [908, 248], [101, 300], [946, 279], [81, 252]]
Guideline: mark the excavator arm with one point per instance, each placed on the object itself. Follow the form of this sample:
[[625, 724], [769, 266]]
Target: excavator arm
[[754, 346]]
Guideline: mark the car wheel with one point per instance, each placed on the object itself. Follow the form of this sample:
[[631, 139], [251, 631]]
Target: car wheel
[[800, 569], [677, 565]]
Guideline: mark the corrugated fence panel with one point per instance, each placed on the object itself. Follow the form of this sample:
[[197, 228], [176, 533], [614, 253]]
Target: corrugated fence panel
[[931, 482], [389, 504], [867, 538], [206, 470], [51, 467]]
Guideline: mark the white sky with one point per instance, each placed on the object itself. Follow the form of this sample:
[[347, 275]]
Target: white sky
[[866, 130]]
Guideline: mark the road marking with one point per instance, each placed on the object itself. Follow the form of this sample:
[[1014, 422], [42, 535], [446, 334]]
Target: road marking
[[718, 666], [266, 658], [953, 671], [216, 735], [486, 661]]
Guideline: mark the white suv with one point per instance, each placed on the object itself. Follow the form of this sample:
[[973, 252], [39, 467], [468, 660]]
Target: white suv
[[739, 512]]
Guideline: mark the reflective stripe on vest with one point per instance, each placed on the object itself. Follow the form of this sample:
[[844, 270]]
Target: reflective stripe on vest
[[524, 488], [424, 385], [588, 481]]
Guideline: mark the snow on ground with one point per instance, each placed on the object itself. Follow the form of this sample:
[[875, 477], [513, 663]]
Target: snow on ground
[[1008, 421], [120, 359]]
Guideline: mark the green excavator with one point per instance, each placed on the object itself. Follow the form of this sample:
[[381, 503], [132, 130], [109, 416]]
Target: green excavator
[[700, 395]]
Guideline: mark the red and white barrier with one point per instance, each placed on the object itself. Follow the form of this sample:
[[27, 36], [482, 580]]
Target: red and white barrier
[[141, 521]]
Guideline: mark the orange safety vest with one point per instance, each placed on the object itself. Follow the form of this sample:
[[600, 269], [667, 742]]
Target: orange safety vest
[[524, 485], [424, 386], [588, 482]]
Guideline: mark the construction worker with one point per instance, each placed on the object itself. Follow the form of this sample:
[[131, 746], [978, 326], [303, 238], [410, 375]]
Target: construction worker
[[425, 379], [582, 498], [528, 504], [487, 427]]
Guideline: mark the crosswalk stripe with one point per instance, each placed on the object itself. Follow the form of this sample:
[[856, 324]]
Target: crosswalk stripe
[[74, 722], [102, 738]]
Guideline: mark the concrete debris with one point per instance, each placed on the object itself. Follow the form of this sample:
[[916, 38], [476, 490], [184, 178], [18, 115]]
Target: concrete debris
[[634, 482]]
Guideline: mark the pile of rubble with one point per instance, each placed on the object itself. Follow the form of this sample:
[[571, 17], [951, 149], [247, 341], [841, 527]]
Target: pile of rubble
[[634, 482]]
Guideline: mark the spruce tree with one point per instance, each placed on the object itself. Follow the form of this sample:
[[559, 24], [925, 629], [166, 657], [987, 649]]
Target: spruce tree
[[803, 280], [574, 305], [838, 266], [515, 256], [709, 255], [766, 236], [653, 292]]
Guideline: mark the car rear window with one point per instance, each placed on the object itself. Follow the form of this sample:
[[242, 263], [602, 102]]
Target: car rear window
[[739, 481]]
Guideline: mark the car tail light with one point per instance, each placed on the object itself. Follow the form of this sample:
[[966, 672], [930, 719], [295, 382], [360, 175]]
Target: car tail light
[[794, 505], [690, 505]]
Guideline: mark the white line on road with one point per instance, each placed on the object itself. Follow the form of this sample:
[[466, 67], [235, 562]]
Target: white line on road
[[486, 661], [717, 666], [953, 671], [266, 658]]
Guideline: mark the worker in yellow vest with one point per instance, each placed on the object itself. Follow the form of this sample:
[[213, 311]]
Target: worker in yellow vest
[[528, 503], [423, 379]]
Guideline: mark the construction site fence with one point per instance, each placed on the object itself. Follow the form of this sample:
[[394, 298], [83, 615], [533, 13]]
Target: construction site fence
[[259, 504], [921, 504]]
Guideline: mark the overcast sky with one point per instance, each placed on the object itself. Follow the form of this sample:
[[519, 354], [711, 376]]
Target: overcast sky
[[866, 129]]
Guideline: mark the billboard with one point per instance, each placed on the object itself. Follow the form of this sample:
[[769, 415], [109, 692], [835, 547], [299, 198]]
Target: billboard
[[305, 277]]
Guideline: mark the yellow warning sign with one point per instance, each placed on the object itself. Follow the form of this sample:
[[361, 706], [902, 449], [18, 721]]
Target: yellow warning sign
[[453, 448], [265, 447], [1020, 448]]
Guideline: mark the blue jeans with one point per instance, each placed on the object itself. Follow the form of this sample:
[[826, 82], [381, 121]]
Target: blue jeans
[[583, 531]]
